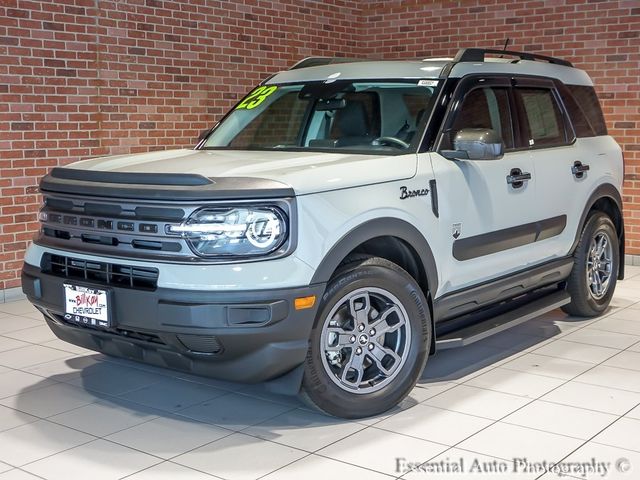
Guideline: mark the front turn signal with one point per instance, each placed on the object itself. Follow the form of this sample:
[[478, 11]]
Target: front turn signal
[[303, 303]]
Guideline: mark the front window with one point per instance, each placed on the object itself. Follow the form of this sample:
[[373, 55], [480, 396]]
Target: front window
[[358, 116]]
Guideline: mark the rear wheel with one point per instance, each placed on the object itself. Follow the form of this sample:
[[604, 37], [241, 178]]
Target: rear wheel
[[369, 342], [595, 270]]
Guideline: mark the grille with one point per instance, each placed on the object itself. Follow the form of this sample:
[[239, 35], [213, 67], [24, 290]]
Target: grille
[[114, 274]]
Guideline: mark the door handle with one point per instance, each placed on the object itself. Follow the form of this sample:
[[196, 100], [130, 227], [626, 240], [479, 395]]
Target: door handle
[[578, 169], [517, 177]]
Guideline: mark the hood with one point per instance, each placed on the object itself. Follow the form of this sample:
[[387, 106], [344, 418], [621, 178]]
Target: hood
[[305, 172]]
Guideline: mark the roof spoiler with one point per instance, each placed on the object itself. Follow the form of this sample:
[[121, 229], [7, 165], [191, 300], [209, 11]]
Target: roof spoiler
[[478, 55]]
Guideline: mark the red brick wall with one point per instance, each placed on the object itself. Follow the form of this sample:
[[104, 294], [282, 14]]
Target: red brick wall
[[80, 78], [133, 75], [601, 37]]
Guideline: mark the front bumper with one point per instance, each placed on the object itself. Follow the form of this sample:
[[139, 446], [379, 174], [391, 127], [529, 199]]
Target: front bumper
[[243, 336]]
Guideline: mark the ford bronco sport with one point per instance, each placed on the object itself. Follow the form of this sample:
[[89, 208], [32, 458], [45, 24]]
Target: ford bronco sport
[[341, 223]]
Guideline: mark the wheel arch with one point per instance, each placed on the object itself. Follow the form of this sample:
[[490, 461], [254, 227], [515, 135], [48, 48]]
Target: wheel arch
[[606, 198], [393, 239]]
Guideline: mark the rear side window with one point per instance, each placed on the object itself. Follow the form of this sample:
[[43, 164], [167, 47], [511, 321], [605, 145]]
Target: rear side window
[[587, 99], [485, 107], [581, 125], [543, 122]]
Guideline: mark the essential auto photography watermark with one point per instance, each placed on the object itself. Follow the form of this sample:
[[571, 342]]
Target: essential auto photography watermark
[[591, 468]]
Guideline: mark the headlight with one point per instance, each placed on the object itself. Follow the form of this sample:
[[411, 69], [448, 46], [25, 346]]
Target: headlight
[[234, 231]]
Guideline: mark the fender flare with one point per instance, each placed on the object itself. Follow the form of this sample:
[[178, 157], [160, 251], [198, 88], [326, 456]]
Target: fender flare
[[379, 227], [605, 190]]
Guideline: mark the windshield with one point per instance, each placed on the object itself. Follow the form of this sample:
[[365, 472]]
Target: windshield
[[358, 116]]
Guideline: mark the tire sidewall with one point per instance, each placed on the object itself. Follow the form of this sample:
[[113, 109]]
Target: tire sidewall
[[328, 396], [596, 224]]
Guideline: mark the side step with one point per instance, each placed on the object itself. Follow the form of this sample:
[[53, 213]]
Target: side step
[[481, 330]]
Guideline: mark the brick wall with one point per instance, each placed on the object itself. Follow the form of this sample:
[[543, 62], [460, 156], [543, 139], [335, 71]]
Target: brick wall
[[80, 78]]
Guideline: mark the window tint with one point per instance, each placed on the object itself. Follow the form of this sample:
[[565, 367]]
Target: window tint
[[484, 108], [587, 99], [581, 125], [544, 125]]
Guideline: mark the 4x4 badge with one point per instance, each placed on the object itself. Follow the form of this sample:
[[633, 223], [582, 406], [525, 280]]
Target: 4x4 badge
[[406, 193], [456, 230]]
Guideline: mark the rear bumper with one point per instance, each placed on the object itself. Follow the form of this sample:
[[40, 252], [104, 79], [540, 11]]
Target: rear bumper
[[244, 336]]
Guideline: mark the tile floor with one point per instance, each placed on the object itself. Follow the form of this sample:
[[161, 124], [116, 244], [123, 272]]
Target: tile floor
[[560, 390]]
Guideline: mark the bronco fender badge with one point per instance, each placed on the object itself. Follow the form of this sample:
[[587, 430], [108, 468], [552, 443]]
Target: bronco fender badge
[[406, 193]]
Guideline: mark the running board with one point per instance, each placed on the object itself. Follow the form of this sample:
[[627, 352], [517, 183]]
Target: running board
[[479, 331]]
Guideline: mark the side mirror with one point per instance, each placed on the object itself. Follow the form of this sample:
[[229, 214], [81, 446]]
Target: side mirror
[[475, 144]]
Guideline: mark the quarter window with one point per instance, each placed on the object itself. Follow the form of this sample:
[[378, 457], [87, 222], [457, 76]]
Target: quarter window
[[544, 125]]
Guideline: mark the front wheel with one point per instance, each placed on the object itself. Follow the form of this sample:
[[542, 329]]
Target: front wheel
[[369, 342], [595, 269]]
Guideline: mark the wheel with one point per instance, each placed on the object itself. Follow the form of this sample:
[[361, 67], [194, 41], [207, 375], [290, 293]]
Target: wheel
[[595, 269], [369, 342]]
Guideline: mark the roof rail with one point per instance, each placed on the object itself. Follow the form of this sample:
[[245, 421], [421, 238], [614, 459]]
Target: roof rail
[[318, 61], [477, 55]]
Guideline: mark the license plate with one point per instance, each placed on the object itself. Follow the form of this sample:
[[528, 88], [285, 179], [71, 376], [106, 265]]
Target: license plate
[[86, 306]]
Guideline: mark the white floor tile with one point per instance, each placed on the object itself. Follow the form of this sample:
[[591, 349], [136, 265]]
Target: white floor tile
[[18, 307], [477, 401], [114, 379], [515, 383], [64, 369], [7, 343], [234, 411], [16, 474], [169, 471], [66, 347], [36, 440], [10, 418], [314, 467], [626, 321], [547, 366], [98, 460], [612, 377], [625, 433], [14, 382], [172, 394], [30, 355], [50, 400], [625, 359], [593, 397], [561, 419], [511, 441], [240, 457], [4, 467], [105, 417], [13, 323], [602, 338], [620, 464], [39, 334], [634, 412], [379, 449], [434, 424], [304, 430], [169, 436], [576, 351]]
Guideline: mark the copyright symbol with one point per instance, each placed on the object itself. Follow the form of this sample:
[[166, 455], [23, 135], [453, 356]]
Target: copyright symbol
[[623, 465]]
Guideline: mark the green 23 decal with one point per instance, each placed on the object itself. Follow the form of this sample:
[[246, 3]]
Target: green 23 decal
[[256, 97]]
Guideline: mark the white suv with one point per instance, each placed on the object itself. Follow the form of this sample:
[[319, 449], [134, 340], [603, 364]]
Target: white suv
[[345, 220]]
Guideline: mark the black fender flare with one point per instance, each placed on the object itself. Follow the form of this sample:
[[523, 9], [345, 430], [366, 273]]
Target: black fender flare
[[379, 227], [605, 190]]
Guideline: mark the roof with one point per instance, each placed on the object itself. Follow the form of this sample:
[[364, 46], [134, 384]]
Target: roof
[[429, 68]]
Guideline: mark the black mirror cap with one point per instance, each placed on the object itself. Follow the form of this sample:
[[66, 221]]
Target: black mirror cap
[[476, 144]]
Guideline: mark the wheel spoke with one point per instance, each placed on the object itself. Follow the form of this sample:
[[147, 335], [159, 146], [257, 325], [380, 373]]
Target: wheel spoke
[[355, 363], [378, 353], [360, 306], [382, 326]]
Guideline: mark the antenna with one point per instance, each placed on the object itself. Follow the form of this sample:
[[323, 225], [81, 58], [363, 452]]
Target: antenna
[[506, 44]]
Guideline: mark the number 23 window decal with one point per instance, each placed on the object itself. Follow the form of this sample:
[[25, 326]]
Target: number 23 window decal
[[255, 98]]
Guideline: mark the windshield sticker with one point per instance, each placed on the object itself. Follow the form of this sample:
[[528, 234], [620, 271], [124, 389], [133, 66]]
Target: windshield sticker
[[255, 98], [427, 83]]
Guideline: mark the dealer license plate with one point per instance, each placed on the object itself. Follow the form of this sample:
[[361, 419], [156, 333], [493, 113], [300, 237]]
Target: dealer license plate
[[86, 306]]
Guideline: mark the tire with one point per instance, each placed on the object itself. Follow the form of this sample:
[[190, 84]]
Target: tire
[[586, 298], [398, 305]]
